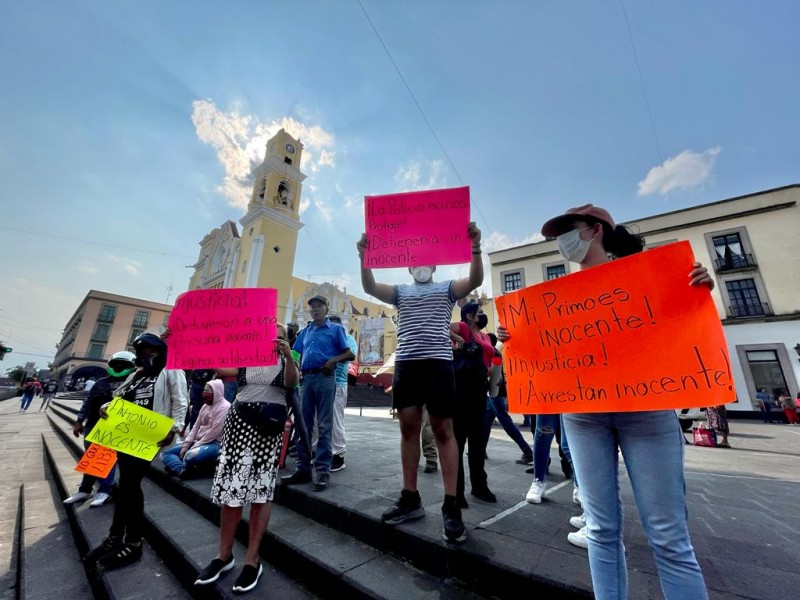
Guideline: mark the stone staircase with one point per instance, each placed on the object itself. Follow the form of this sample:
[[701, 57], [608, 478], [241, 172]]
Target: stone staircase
[[313, 547]]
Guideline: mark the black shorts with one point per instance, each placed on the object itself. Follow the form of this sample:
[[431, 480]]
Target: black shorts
[[427, 382]]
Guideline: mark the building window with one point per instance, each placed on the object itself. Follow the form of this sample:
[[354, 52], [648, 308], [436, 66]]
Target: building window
[[107, 313], [744, 298], [512, 281], [101, 332], [766, 371], [96, 351], [730, 253], [556, 271], [141, 318], [135, 332]]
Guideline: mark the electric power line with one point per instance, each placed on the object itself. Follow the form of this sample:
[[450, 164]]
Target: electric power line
[[421, 112], [641, 83], [94, 243]]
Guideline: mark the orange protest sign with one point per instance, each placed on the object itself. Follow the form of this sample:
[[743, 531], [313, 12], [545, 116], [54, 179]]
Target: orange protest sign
[[625, 336], [97, 461]]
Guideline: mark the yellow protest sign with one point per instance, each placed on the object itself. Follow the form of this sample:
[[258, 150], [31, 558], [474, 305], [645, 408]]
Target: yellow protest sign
[[131, 429]]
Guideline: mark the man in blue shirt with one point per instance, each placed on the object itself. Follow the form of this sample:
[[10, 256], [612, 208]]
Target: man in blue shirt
[[339, 403], [322, 345]]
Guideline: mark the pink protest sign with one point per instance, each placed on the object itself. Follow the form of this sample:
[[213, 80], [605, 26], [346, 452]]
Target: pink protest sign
[[417, 228], [223, 328]]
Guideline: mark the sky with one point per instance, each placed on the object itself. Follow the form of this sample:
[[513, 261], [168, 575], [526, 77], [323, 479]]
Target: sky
[[129, 130]]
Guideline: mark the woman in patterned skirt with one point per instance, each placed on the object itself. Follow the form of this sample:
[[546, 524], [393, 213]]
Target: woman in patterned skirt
[[718, 421], [248, 462]]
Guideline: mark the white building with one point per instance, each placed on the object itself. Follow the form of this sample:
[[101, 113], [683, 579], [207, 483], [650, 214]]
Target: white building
[[751, 245]]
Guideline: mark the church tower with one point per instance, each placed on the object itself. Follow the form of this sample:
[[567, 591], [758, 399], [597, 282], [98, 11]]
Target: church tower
[[269, 229]]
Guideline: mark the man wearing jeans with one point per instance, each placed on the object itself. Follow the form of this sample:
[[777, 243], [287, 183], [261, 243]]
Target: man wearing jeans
[[322, 345]]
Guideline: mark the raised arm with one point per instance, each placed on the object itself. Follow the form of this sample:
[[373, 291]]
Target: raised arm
[[463, 287], [381, 291]]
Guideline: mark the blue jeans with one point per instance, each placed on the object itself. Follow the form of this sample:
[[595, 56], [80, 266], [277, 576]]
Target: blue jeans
[[652, 445], [318, 393], [197, 456], [546, 428], [26, 401], [498, 408]]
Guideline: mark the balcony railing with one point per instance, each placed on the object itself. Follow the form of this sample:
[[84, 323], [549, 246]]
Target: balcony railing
[[745, 311], [734, 262]]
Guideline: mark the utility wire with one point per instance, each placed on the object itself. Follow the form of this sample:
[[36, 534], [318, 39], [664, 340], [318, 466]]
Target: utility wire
[[641, 84], [421, 112], [70, 239]]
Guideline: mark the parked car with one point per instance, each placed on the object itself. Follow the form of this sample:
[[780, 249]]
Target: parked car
[[687, 416]]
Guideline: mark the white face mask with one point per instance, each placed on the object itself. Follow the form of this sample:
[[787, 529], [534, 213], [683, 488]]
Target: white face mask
[[422, 274], [572, 247]]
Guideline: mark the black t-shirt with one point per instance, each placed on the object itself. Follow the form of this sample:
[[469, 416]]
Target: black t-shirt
[[141, 390]]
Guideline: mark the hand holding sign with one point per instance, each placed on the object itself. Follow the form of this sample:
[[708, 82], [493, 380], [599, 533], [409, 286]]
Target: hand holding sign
[[131, 429], [416, 229], [626, 336]]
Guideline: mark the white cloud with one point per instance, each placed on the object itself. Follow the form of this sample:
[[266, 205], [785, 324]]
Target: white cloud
[[499, 241], [88, 268], [240, 140], [304, 204], [324, 210], [421, 174], [129, 265], [354, 202], [685, 171]]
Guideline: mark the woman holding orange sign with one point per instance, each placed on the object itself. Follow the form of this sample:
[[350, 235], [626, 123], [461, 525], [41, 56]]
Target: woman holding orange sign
[[651, 442]]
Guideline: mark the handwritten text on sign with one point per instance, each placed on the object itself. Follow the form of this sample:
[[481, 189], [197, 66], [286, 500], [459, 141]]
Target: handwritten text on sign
[[416, 229], [230, 327], [131, 429], [97, 461], [626, 336]]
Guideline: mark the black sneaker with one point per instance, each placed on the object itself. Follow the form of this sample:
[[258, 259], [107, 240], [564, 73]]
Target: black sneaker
[[337, 463], [527, 459], [111, 544], [407, 508], [297, 477], [321, 482], [214, 569], [248, 578], [454, 530], [431, 466], [127, 554], [485, 494]]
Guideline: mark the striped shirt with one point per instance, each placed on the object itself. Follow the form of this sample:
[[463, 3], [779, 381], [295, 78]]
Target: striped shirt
[[423, 320]]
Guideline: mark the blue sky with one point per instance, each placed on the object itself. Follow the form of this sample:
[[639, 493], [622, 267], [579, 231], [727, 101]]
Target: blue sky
[[134, 124]]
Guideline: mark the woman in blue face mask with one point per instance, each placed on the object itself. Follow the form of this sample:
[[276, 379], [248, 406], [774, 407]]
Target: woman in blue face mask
[[651, 444]]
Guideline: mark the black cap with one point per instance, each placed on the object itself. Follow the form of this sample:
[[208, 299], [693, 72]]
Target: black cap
[[322, 299]]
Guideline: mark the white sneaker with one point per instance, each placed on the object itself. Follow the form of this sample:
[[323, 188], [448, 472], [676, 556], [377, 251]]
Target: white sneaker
[[77, 497], [578, 522], [579, 538], [576, 496], [534, 495], [101, 499]]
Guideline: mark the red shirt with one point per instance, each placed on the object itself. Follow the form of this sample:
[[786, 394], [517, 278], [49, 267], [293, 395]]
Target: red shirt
[[482, 339]]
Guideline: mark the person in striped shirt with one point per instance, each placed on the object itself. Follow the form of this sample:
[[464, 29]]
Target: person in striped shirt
[[423, 376]]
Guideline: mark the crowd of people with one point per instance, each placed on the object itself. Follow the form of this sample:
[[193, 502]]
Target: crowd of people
[[448, 388]]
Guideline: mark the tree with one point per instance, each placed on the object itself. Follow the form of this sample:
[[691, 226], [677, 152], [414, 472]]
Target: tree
[[17, 373]]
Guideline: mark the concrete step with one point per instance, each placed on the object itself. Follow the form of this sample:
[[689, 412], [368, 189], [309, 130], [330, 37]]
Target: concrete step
[[332, 563], [48, 559], [149, 578]]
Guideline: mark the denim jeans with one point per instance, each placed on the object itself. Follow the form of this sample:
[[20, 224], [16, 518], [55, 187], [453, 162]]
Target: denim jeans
[[652, 446], [26, 401], [498, 408], [197, 456], [547, 426], [318, 394]]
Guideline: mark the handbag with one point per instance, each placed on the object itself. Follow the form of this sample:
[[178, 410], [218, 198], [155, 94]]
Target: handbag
[[704, 437], [268, 418]]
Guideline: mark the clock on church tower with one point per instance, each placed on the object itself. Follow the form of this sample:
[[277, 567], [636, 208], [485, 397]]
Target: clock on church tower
[[270, 227]]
